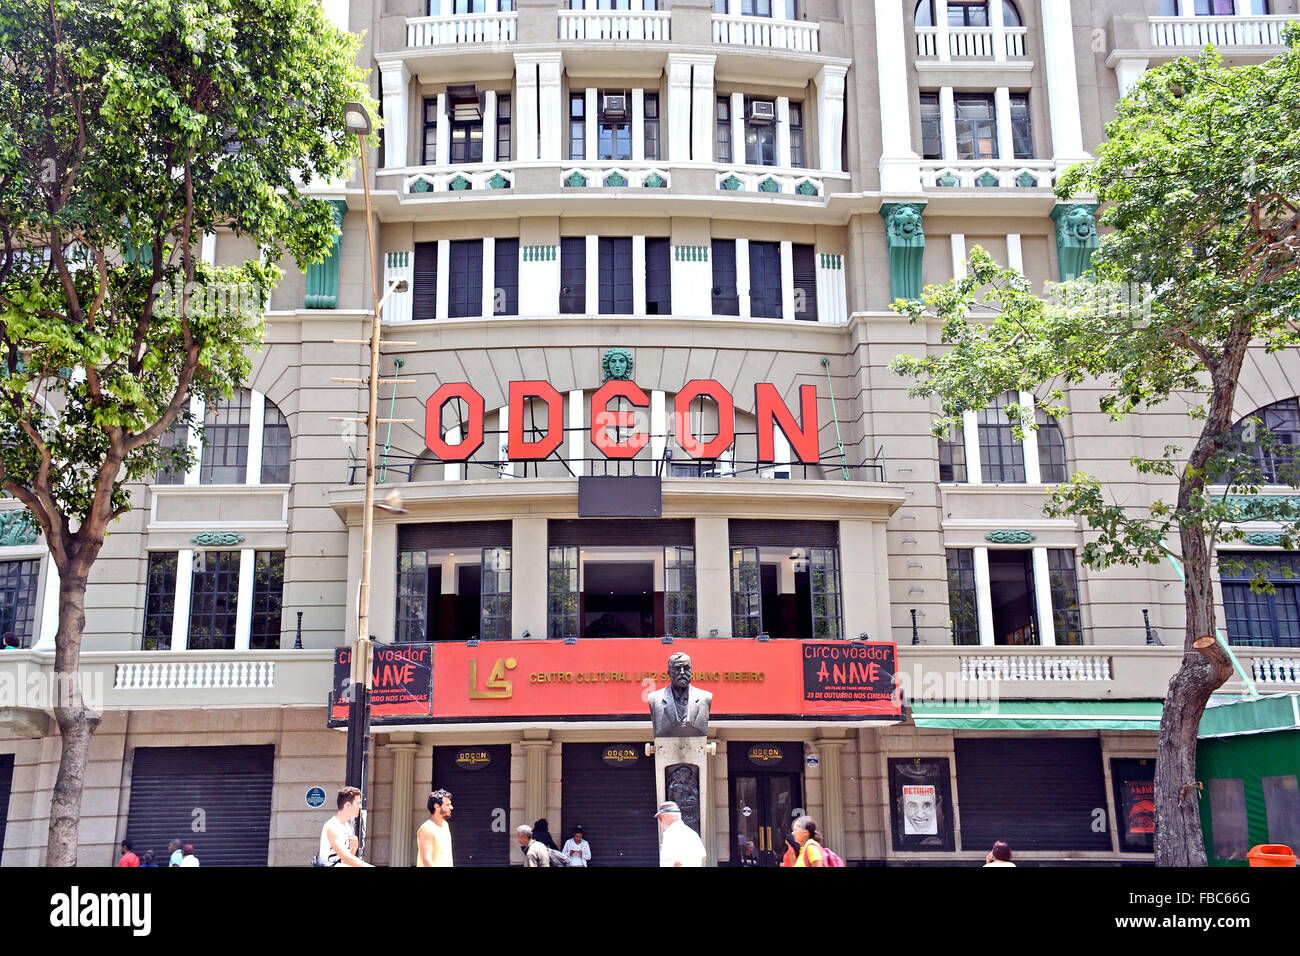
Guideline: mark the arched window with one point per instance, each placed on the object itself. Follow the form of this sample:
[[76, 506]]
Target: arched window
[[1002, 455], [227, 426], [1270, 436], [1010, 15], [1052, 466]]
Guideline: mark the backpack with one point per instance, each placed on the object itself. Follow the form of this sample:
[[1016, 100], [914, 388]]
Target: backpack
[[557, 858], [831, 858]]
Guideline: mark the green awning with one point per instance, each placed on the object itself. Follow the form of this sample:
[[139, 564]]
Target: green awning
[[1229, 717], [1040, 715]]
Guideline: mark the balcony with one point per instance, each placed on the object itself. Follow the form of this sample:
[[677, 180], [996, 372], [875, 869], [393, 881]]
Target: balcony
[[789, 35], [459, 178], [971, 43], [977, 174], [621, 25], [622, 175], [474, 28], [766, 179], [1197, 32]]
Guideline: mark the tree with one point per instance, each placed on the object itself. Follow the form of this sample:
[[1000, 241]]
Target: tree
[[128, 129], [1199, 179]]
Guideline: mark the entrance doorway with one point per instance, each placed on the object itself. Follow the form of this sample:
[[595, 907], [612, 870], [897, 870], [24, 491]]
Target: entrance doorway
[[618, 599], [766, 797], [1011, 587]]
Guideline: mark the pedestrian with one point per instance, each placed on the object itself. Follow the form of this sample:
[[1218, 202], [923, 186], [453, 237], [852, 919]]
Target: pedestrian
[[791, 850], [434, 836], [535, 854], [1000, 855], [10, 642], [128, 858], [149, 859], [338, 841], [809, 840], [187, 855], [681, 845], [174, 848], [542, 834], [577, 849]]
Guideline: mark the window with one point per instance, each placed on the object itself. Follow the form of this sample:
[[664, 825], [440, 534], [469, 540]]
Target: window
[[724, 129], [977, 125], [650, 117], [658, 277], [966, 14], [465, 279], [573, 275], [412, 595], [615, 276], [1254, 617], [177, 436], [577, 126], [503, 128], [159, 601], [962, 611], [785, 579], [430, 154], [214, 600], [726, 297], [505, 299], [1269, 436], [461, 7], [931, 127], [268, 593], [1052, 467], [495, 595], [225, 440], [1067, 625], [805, 282], [18, 598], [765, 280], [562, 592], [796, 135], [614, 131], [760, 136], [1022, 139], [466, 140], [275, 446], [424, 282], [952, 456], [1002, 456], [679, 591]]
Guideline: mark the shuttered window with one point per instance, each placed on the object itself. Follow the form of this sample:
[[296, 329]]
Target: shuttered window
[[465, 278], [615, 276], [613, 803], [776, 533], [478, 779], [658, 277], [765, 280], [424, 282], [505, 297], [805, 283], [726, 299], [573, 275]]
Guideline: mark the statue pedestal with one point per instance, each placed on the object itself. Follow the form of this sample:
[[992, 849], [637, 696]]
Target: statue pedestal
[[682, 776]]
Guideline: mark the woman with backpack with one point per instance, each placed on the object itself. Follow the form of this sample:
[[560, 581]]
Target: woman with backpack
[[810, 848]]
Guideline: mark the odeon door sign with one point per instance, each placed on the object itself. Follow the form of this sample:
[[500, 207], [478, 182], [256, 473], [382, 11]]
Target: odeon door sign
[[770, 413]]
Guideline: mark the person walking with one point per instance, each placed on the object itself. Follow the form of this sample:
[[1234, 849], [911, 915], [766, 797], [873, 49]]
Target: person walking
[[681, 845], [433, 839], [791, 850], [128, 858], [187, 855], [338, 841], [149, 859], [1000, 855], [542, 834], [535, 854], [174, 850], [577, 849], [810, 848]]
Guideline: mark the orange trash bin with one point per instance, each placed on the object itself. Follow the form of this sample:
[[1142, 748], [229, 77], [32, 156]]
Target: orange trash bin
[[1271, 854]]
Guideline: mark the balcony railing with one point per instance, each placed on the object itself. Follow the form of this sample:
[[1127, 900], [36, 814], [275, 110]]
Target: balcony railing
[[1218, 31], [1043, 664], [756, 179], [971, 42], [762, 31], [976, 174], [623, 175], [1272, 671], [467, 177], [645, 25], [475, 28]]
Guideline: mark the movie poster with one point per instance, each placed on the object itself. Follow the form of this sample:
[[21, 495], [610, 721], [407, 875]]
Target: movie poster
[[920, 804], [920, 811], [1135, 803]]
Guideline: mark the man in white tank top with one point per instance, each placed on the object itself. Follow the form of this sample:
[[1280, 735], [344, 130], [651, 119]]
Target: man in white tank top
[[433, 839]]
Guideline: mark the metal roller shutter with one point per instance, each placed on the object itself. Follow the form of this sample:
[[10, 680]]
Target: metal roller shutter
[[231, 786], [480, 799], [453, 534], [6, 785], [1039, 794], [756, 533], [614, 805], [621, 531]]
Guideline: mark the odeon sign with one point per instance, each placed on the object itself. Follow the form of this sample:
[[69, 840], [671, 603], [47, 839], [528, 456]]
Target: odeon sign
[[770, 412]]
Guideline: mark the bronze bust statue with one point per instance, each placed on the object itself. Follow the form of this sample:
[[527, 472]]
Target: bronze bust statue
[[680, 710]]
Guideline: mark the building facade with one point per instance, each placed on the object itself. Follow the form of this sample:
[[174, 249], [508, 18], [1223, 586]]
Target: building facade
[[655, 243]]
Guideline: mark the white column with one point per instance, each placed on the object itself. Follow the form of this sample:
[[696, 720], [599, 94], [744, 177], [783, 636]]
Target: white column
[[181, 613], [1015, 257], [1128, 72], [1002, 109], [999, 24], [444, 132], [1033, 475], [943, 37], [444, 277], [830, 116], [638, 275], [984, 597], [658, 425], [948, 123], [1043, 599], [1062, 83], [787, 280], [452, 470], [783, 131], [742, 276], [256, 426], [738, 128], [958, 256], [703, 109], [490, 126], [589, 125], [575, 435], [208, 251], [198, 411], [970, 432], [395, 82], [244, 605], [397, 265], [49, 607], [692, 280], [489, 277], [539, 273], [593, 275], [638, 125], [679, 109], [550, 110], [525, 107]]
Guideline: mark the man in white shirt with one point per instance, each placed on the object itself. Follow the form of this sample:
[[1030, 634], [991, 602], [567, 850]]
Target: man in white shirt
[[681, 845], [433, 839], [577, 849], [338, 842]]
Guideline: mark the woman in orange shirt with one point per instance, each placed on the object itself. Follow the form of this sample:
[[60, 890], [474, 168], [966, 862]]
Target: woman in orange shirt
[[791, 850]]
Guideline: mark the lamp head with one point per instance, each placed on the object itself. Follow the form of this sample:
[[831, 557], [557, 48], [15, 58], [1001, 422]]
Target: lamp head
[[357, 118]]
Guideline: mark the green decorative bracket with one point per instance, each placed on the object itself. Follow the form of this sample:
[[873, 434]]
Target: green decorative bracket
[[769, 185], [498, 182], [576, 179], [539, 253], [1076, 237], [691, 253], [986, 180], [421, 186], [1026, 180], [806, 188], [615, 179], [1267, 539], [217, 539], [1264, 507], [17, 528], [1009, 536], [323, 276], [905, 237], [948, 179], [459, 183], [731, 182], [655, 181]]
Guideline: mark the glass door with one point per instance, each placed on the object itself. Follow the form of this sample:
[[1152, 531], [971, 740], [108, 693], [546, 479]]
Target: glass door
[[763, 810]]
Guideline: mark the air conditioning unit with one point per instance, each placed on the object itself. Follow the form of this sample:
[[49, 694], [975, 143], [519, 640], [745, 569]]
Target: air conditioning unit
[[762, 111], [613, 107], [464, 103]]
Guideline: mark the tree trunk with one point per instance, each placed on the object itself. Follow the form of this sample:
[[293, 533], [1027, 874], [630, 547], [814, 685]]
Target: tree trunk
[[76, 724]]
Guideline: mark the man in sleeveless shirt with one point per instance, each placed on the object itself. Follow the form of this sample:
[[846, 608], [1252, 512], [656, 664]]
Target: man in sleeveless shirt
[[338, 842], [434, 836]]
